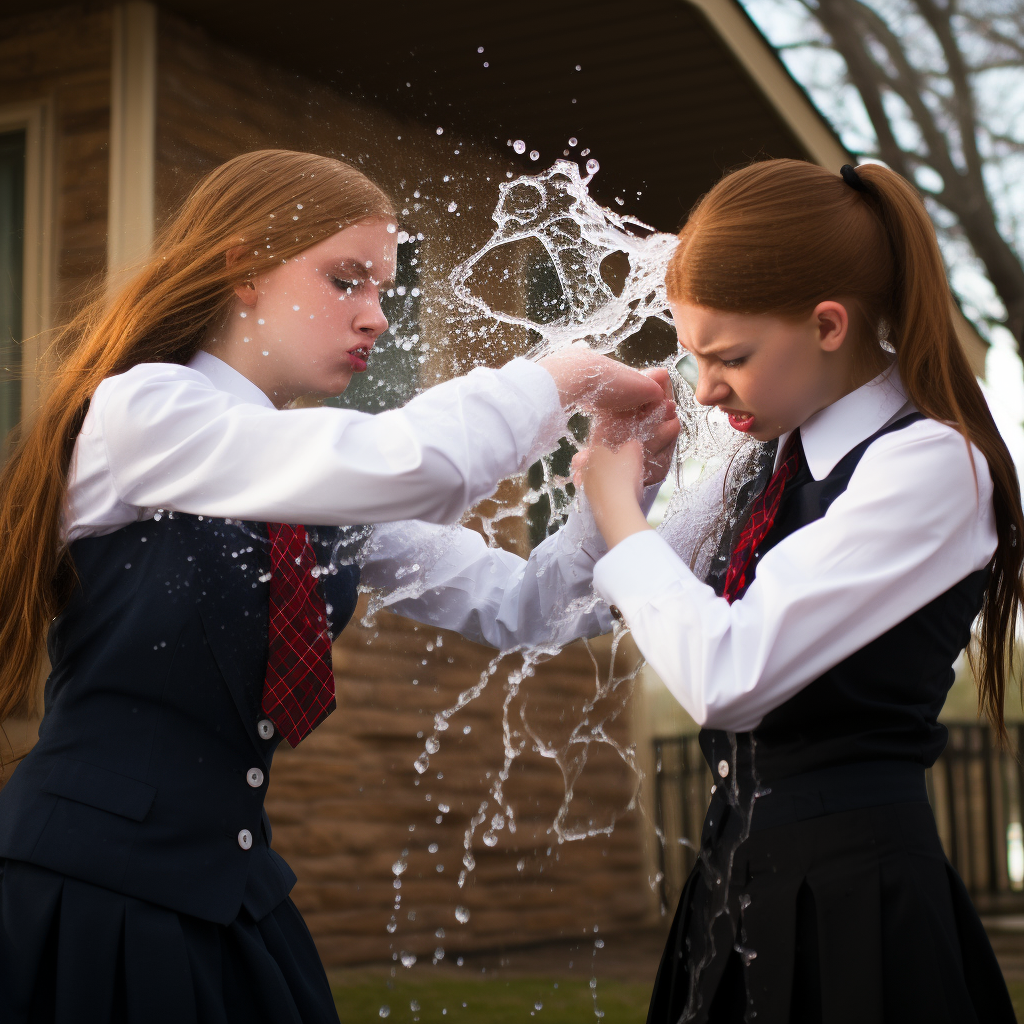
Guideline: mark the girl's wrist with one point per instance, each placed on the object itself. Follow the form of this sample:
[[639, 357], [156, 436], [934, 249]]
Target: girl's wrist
[[620, 521]]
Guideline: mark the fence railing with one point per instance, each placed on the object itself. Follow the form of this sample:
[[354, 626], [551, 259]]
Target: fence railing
[[975, 790]]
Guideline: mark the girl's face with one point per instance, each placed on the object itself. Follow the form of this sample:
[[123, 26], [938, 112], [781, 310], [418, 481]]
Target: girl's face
[[312, 321], [767, 374]]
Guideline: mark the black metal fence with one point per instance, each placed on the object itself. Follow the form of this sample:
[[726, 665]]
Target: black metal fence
[[975, 790]]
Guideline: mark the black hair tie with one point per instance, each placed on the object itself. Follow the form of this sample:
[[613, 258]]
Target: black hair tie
[[853, 179]]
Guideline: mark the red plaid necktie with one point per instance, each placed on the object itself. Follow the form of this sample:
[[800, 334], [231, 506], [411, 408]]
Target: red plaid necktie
[[299, 690], [762, 515]]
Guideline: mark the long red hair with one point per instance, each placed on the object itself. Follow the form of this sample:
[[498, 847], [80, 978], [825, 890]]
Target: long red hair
[[268, 205], [780, 236]]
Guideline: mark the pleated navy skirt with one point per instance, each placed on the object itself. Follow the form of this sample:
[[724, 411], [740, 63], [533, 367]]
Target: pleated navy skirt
[[846, 918], [73, 953]]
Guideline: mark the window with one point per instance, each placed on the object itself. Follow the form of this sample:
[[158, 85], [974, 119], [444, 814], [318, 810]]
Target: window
[[12, 245]]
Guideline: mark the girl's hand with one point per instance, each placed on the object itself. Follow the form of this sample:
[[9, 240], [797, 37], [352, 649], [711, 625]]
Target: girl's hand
[[613, 483], [655, 425], [589, 381]]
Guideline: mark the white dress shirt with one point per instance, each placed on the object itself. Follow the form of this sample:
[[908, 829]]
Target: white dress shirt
[[203, 439], [916, 518]]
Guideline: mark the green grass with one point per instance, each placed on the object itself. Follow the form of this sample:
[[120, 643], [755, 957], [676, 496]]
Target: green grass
[[495, 1001], [1017, 995]]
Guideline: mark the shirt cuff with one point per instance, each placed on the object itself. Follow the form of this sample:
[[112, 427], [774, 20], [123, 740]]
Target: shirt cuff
[[541, 395], [637, 569]]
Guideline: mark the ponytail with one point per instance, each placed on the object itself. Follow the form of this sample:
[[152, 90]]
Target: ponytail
[[745, 249], [940, 383]]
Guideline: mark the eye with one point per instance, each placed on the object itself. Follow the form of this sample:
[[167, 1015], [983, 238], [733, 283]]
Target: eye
[[344, 285], [730, 363]]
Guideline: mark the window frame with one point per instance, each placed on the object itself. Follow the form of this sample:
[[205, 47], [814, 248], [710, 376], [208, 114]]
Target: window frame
[[35, 119]]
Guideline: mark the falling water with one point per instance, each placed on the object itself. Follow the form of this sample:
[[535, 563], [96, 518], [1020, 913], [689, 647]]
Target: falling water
[[606, 283]]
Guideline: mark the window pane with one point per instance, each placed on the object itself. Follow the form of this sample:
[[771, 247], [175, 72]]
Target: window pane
[[12, 233]]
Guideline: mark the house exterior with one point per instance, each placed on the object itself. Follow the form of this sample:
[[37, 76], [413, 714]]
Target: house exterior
[[109, 113]]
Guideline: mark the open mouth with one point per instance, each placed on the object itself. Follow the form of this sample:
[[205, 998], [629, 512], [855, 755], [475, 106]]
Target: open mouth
[[741, 421], [359, 357]]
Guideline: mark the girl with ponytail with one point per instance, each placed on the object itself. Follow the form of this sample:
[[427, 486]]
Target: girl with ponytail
[[148, 532], [815, 648]]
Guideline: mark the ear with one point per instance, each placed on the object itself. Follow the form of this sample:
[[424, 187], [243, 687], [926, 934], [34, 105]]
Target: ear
[[833, 324], [245, 290]]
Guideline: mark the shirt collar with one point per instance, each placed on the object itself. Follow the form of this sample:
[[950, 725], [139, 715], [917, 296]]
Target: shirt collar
[[226, 378], [833, 431]]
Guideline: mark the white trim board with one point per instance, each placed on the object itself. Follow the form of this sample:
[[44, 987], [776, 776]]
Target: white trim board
[[130, 216]]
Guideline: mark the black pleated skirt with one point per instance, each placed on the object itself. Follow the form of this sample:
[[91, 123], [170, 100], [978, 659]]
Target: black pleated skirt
[[73, 953], [847, 918]]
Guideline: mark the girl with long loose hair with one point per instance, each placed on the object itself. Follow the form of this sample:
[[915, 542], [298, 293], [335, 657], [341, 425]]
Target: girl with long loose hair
[[817, 652], [149, 532]]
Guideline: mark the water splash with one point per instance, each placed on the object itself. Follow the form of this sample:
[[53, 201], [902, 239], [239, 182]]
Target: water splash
[[578, 235], [607, 270]]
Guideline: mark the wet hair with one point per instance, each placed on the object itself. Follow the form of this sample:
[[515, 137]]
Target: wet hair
[[780, 236]]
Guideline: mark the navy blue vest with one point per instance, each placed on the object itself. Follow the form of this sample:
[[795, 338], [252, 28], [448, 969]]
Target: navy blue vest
[[139, 781], [882, 702]]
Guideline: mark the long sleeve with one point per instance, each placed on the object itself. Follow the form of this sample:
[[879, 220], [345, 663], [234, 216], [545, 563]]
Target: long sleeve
[[163, 436], [914, 520], [448, 577]]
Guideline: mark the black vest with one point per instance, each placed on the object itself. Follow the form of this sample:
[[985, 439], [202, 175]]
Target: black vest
[[882, 702], [140, 781]]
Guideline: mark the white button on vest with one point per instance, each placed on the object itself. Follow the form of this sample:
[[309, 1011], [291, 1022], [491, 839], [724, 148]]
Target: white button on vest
[[245, 839], [254, 777], [266, 728], [723, 768]]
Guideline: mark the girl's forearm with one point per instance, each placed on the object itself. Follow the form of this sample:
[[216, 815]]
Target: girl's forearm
[[619, 519]]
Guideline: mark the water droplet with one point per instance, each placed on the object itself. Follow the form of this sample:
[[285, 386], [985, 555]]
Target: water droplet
[[408, 959], [440, 131], [439, 953], [479, 49], [466, 730], [432, 745], [432, 848], [384, 1011], [534, 154], [593, 166], [538, 1005], [392, 926], [490, 839], [452, 207], [443, 808], [599, 943], [422, 763], [519, 146], [572, 141], [399, 866], [461, 915]]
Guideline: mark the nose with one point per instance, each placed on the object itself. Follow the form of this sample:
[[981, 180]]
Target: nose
[[710, 390], [370, 320]]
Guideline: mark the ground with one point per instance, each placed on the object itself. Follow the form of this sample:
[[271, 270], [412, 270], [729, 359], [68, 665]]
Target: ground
[[551, 983]]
